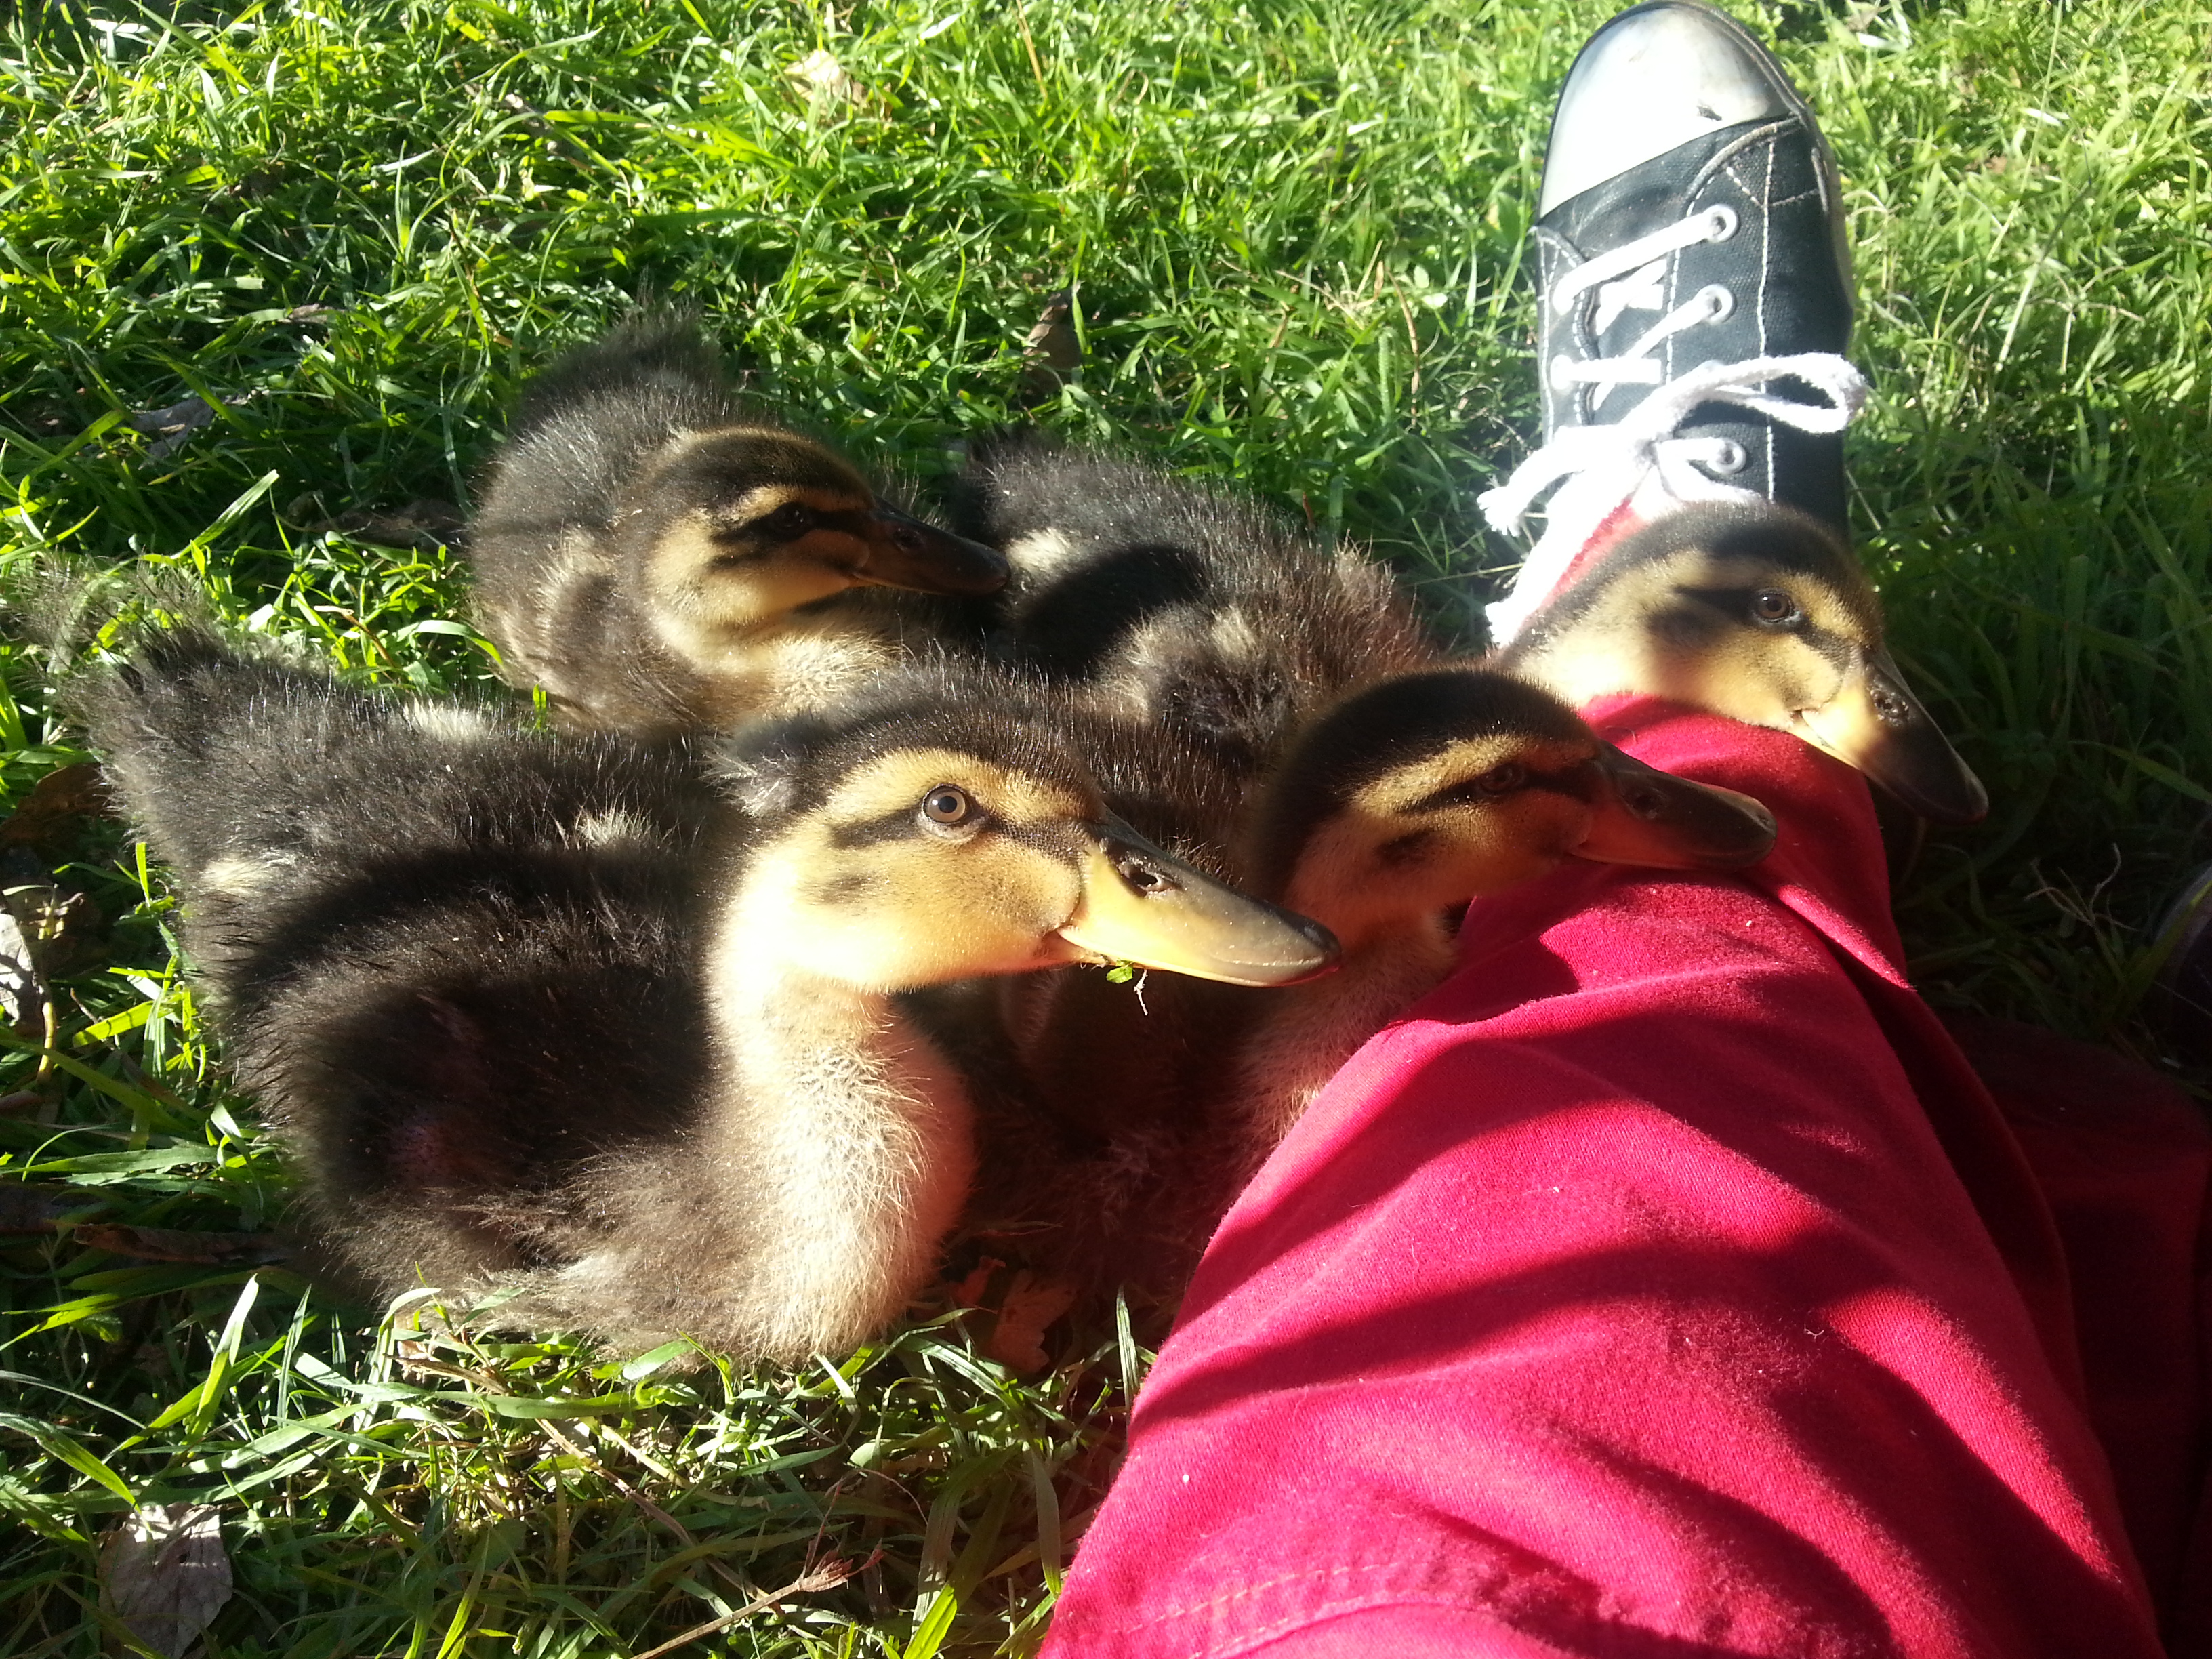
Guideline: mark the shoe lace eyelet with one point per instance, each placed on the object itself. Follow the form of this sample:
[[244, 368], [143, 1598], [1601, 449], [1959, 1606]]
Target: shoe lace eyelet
[[1720, 223], [1561, 373], [1720, 302], [1728, 458]]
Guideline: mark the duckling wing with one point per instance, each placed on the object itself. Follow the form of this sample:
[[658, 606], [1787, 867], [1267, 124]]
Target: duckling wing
[[454, 959], [213, 751], [444, 1063]]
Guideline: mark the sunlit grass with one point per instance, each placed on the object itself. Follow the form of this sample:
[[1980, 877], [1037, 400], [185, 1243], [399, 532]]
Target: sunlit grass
[[1295, 231]]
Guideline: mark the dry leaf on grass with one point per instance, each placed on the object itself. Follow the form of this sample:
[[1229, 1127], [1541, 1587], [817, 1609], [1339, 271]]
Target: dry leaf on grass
[[831, 86], [164, 1574], [178, 1244], [1024, 1307], [970, 1292], [172, 427], [423, 523], [63, 932], [55, 803], [23, 992], [1053, 351], [1017, 1339], [28, 1209]]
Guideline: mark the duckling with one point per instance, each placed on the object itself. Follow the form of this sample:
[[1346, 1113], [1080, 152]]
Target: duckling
[[1180, 605], [658, 559], [1417, 795], [1761, 613], [624, 1044], [1400, 803]]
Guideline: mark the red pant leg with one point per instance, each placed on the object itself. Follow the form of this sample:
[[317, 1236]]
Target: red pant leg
[[2125, 1157], [1621, 1298]]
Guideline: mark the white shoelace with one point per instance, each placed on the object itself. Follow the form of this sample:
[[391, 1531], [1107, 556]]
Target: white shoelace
[[1638, 459]]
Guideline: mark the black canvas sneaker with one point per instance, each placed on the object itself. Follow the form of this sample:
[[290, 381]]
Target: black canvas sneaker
[[1696, 295]]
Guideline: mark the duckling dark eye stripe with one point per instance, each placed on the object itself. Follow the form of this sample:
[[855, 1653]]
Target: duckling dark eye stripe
[[851, 523], [852, 887], [1468, 791], [1404, 851], [1041, 838], [873, 832], [1733, 603]]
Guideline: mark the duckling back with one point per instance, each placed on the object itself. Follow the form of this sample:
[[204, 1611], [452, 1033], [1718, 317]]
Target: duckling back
[[1178, 602], [597, 412]]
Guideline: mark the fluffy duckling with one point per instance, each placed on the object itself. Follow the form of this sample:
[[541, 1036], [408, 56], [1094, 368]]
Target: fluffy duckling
[[659, 560], [543, 1013], [1401, 802], [1181, 605], [1417, 795], [1761, 613]]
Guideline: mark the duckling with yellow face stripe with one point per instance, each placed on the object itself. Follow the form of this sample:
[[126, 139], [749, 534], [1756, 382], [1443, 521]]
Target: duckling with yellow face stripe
[[1403, 800], [804, 1202], [1761, 613], [550, 1013], [659, 562], [1424, 792]]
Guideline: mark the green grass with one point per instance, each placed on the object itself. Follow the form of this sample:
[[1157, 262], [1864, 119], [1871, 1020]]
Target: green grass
[[1297, 230]]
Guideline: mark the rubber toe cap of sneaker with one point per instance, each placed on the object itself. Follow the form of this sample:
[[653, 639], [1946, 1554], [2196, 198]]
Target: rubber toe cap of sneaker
[[1648, 82]]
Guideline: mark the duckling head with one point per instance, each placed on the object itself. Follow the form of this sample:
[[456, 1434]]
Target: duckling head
[[1761, 613], [954, 842], [740, 526], [1432, 788]]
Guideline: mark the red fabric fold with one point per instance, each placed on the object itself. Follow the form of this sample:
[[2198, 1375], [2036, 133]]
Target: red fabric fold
[[1622, 1299]]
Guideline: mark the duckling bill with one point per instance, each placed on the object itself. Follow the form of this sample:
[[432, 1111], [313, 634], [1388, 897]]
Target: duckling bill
[[658, 560], [1761, 613]]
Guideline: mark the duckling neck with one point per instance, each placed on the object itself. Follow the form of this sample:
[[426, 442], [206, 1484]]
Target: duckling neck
[[1600, 656], [1310, 1031], [849, 1136], [780, 664]]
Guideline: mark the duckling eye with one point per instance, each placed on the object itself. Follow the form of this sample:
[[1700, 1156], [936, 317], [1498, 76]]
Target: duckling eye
[[787, 523], [1503, 779], [1770, 607], [947, 806]]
